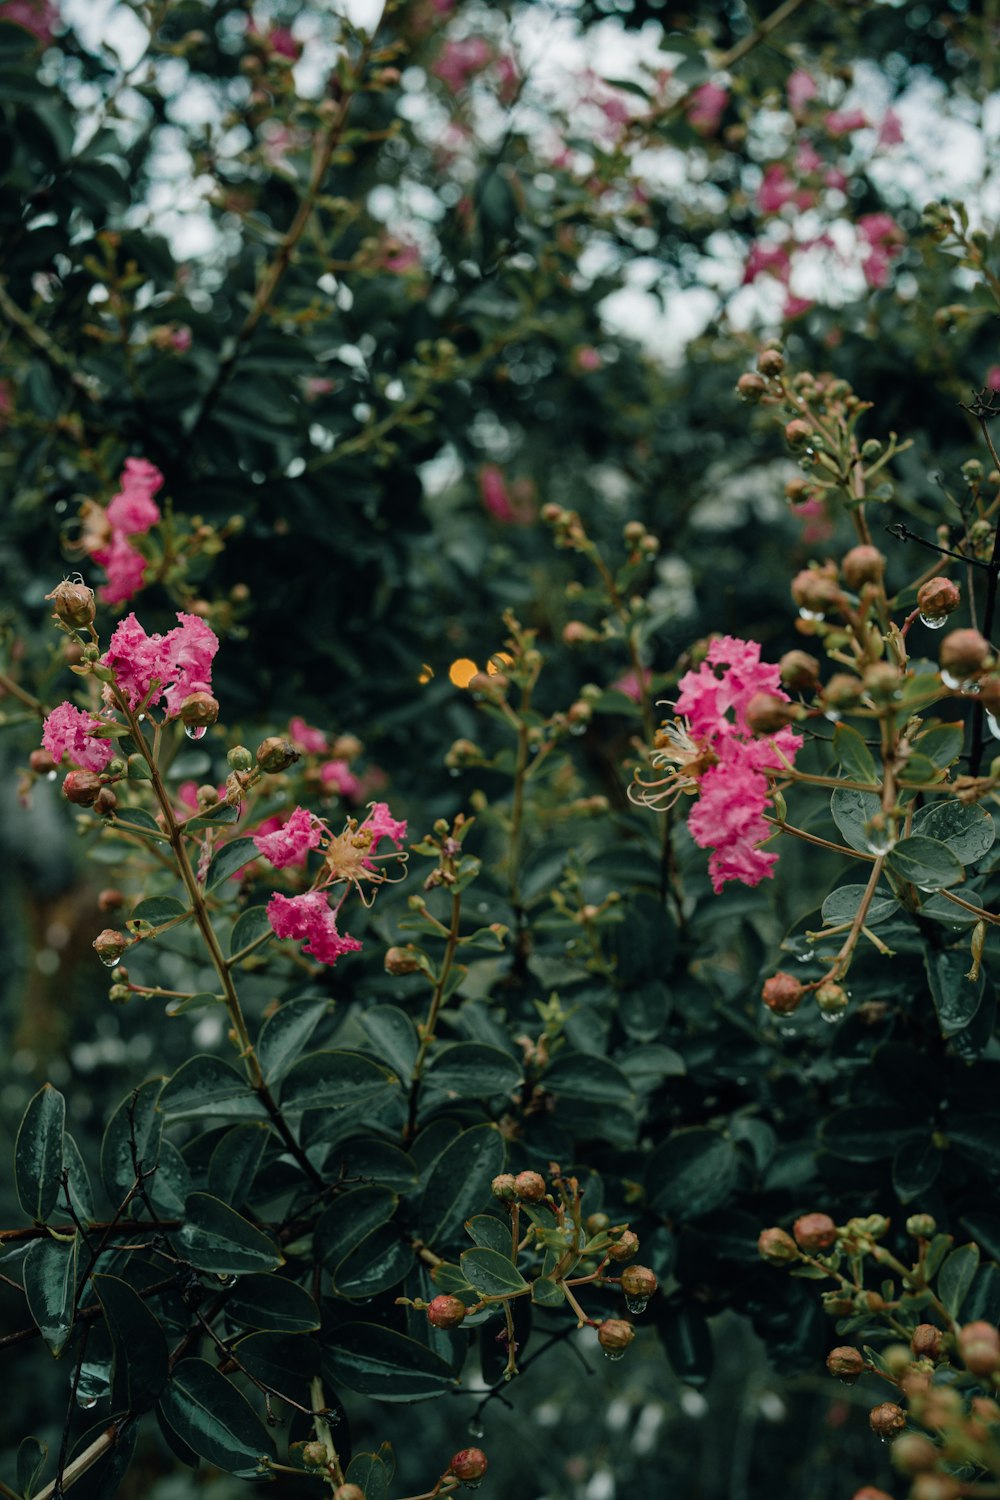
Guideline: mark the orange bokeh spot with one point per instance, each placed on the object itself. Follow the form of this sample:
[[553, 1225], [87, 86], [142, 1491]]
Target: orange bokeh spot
[[498, 661], [425, 674], [462, 671]]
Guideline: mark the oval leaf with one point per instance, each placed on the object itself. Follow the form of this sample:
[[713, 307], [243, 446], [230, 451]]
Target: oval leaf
[[283, 1035], [491, 1273], [272, 1302], [334, 1080], [38, 1153], [214, 1420], [230, 858], [968, 831], [139, 1343], [459, 1183], [472, 1070], [215, 1238], [925, 862], [206, 1085], [691, 1173], [379, 1362], [49, 1272]]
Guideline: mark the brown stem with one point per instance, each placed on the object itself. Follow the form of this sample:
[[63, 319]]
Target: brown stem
[[437, 999]]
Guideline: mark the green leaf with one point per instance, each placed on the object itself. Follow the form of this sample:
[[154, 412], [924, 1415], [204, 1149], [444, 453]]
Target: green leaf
[[852, 811], [140, 1350], [393, 1035], [285, 1033], [372, 1476], [137, 1123], [489, 1231], [284, 1362], [968, 831], [49, 1271], [213, 1419], [170, 1186], [866, 1134], [490, 1272], [915, 1168], [956, 998], [941, 743], [693, 1172], [379, 1362], [925, 862], [955, 1277], [230, 858], [31, 1456], [643, 1009], [248, 927], [236, 1160], [646, 1067], [688, 1341], [348, 1219], [375, 1264], [206, 1085], [374, 1159], [215, 1238], [472, 1070], [137, 820], [38, 1153], [587, 1076], [842, 904], [334, 1080], [156, 910], [272, 1302], [854, 756], [459, 1183], [78, 1180]]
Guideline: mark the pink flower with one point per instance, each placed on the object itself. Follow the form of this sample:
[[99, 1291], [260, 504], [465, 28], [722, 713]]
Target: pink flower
[[795, 306], [493, 491], [890, 132], [400, 257], [706, 108], [337, 773], [884, 239], [37, 16], [774, 260], [807, 158], [778, 188], [180, 338], [382, 825], [631, 686], [180, 661], [841, 122], [125, 567], [284, 43], [309, 917], [290, 844], [460, 61], [727, 818], [66, 732], [993, 378], [305, 737], [801, 88], [588, 359], [129, 513]]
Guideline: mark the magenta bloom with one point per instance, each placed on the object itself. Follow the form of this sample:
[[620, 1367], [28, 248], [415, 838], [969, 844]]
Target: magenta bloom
[[382, 825], [305, 737], [460, 61], [309, 917], [65, 732], [778, 188], [338, 774], [290, 844], [884, 238], [841, 122], [890, 132], [493, 490], [125, 567], [180, 662], [130, 513], [769, 259], [801, 88], [707, 106]]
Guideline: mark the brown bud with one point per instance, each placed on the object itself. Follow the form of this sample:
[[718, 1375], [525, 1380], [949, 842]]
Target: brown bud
[[912, 1453], [921, 1226], [846, 1363], [862, 565], [615, 1335], [468, 1463], [776, 1245], [799, 671], [82, 788], [770, 362], [639, 1281], [842, 691], [881, 681], [938, 598], [887, 1419], [925, 1341], [624, 1247], [530, 1186], [504, 1187], [782, 993], [766, 713], [42, 762], [831, 998], [199, 710], [314, 1455], [936, 1487], [73, 604], [105, 802], [276, 754], [349, 1492], [751, 388], [816, 589], [109, 945], [445, 1311], [110, 899], [797, 433], [964, 653], [576, 633], [979, 1346], [401, 961], [814, 1232]]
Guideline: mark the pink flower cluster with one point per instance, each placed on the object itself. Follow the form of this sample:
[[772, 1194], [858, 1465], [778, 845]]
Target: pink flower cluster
[[335, 773], [510, 504], [883, 240], [707, 106], [311, 918], [68, 731], [733, 791], [130, 513], [460, 61], [179, 663], [37, 16]]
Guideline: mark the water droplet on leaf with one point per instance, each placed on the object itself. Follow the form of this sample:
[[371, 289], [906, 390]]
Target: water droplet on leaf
[[195, 731], [476, 1428], [636, 1304], [614, 1354], [933, 622]]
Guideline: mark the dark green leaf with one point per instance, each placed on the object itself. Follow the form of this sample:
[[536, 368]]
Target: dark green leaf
[[38, 1153], [968, 831], [31, 1456], [283, 1362], [373, 1159], [688, 1341], [171, 1184], [587, 1076], [915, 1168], [842, 904], [349, 1219], [393, 1037], [133, 1133], [213, 1419], [941, 743], [691, 1173], [459, 1183], [334, 1080], [371, 1475], [138, 1341], [248, 927], [378, 1362], [489, 1231], [983, 1298], [272, 1302], [471, 1070], [985, 1230], [215, 1238], [156, 910], [137, 820], [230, 858], [853, 755], [78, 1180], [866, 1134], [925, 862], [490, 1272], [955, 1277], [956, 998], [206, 1085], [852, 811], [49, 1271], [235, 1162], [285, 1033], [375, 1264]]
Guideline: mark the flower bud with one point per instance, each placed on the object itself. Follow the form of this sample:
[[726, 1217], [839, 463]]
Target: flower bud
[[119, 994], [751, 388], [766, 713], [816, 589], [770, 362], [639, 1281], [530, 1186], [870, 1493], [846, 1363], [836, 1305], [42, 762], [814, 1232], [82, 788], [401, 961], [799, 671], [782, 993], [912, 1453], [887, 1419], [862, 565], [576, 633], [349, 1492], [881, 681], [314, 1455], [936, 1487], [798, 433], [776, 1245], [73, 604], [468, 1464], [504, 1187], [615, 1335], [921, 1226], [110, 899], [938, 598], [276, 754], [105, 802], [842, 691], [925, 1341], [963, 653], [445, 1311], [831, 999], [109, 945], [240, 758], [199, 710], [624, 1247], [979, 1346]]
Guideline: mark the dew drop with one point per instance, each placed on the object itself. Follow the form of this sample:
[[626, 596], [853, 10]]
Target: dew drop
[[142, 718], [471, 1484], [636, 1304], [578, 729], [933, 622], [811, 614], [476, 1428], [993, 726], [112, 961], [614, 1354], [833, 1019], [195, 731], [51, 775], [85, 1401], [833, 714]]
